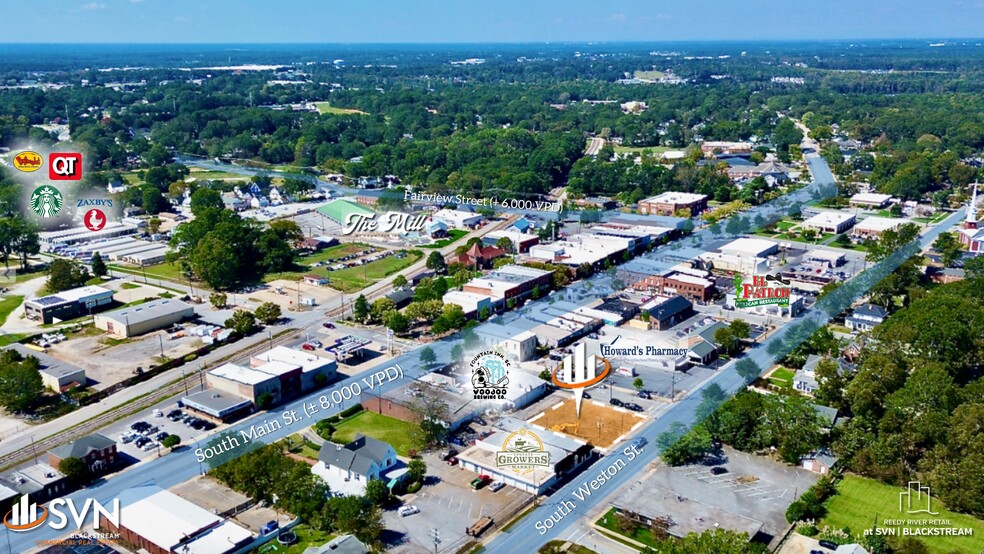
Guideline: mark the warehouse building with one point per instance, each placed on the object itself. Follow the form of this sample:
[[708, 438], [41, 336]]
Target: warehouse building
[[316, 371], [54, 240], [521, 242], [157, 521], [339, 210], [67, 304], [263, 388], [669, 203], [458, 219], [471, 303], [751, 247], [870, 200], [56, 375], [144, 318], [830, 222], [217, 405], [519, 346], [664, 313]]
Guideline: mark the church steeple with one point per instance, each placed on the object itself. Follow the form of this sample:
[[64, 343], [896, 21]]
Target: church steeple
[[971, 222]]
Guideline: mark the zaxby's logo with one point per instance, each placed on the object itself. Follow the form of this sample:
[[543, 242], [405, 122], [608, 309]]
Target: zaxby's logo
[[580, 371], [522, 452], [490, 375], [28, 161], [65, 166], [94, 220], [25, 515], [761, 290]]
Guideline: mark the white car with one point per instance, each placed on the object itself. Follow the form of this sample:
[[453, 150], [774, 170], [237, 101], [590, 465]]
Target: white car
[[149, 446], [126, 438], [496, 486], [405, 511]]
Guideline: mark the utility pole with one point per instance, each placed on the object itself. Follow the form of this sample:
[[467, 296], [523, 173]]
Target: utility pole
[[436, 536], [161, 339]]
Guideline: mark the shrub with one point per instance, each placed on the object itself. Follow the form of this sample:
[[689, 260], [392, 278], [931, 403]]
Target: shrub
[[349, 412], [190, 358], [808, 530], [414, 487]]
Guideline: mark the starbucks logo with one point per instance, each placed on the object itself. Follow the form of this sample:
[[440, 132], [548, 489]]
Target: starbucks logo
[[46, 201]]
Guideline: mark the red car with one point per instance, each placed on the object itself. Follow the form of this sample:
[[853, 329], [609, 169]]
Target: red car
[[307, 346], [453, 460]]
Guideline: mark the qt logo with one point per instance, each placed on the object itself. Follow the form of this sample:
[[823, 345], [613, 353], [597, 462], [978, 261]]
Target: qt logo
[[65, 166]]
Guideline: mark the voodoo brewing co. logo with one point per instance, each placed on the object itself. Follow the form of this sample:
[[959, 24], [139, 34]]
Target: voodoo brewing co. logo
[[761, 290], [522, 452], [490, 375]]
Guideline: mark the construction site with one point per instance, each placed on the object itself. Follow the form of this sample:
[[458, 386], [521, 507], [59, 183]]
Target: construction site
[[599, 425]]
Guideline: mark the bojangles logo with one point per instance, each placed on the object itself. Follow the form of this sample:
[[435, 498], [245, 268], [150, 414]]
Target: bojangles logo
[[761, 290]]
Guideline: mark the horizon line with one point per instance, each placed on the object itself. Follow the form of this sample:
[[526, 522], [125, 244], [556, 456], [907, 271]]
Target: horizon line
[[497, 42]]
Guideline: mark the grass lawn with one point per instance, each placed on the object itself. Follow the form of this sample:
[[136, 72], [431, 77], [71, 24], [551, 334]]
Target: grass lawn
[[641, 149], [786, 225], [129, 286], [335, 252], [650, 75], [454, 234], [306, 535], [352, 279], [165, 270], [7, 305], [387, 429], [8, 338], [642, 534], [859, 499], [209, 175], [326, 107], [782, 377], [572, 549], [301, 448]]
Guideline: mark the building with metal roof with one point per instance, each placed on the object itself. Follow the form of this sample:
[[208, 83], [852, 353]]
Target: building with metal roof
[[144, 318], [348, 468], [68, 304], [339, 210]]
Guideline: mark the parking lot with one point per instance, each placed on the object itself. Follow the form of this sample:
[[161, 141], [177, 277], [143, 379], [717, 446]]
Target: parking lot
[[752, 486], [448, 503], [141, 445]]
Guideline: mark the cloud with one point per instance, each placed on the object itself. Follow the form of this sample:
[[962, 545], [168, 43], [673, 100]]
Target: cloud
[[137, 1], [617, 17], [93, 6]]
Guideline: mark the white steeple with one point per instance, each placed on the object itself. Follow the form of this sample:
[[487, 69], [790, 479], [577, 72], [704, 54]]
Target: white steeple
[[972, 210]]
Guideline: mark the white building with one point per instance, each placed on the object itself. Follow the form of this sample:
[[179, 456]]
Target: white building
[[830, 222], [751, 247], [582, 248], [458, 219], [735, 263], [470, 302], [348, 468], [519, 346], [870, 200], [875, 226]]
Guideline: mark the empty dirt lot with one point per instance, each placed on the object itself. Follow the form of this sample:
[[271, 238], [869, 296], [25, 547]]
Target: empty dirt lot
[[599, 424]]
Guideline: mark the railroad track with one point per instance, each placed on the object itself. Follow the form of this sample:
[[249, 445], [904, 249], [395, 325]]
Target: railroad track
[[91, 425]]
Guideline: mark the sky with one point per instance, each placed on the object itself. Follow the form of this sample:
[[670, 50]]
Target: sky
[[442, 21]]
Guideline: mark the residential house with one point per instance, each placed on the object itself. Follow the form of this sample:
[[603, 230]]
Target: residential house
[[805, 378], [345, 544], [348, 468], [479, 257], [865, 317], [820, 461]]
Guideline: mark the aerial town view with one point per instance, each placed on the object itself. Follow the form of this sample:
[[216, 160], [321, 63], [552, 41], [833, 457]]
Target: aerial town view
[[509, 278]]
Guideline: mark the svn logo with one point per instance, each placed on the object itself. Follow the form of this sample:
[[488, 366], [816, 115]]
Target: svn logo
[[65, 166], [25, 516], [915, 499], [580, 371]]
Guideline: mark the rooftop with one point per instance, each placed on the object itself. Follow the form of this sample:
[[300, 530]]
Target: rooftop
[[71, 295], [676, 198], [878, 224], [828, 218], [80, 447], [308, 362], [871, 197], [51, 366], [240, 374], [215, 402], [750, 246], [147, 311], [357, 455]]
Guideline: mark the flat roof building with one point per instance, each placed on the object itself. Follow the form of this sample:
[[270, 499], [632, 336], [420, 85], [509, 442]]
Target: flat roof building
[[510, 281], [144, 318], [458, 219], [56, 375], [67, 304], [316, 371], [830, 222], [519, 346], [471, 303], [751, 247], [669, 203], [870, 200], [585, 248], [875, 226], [521, 242], [246, 383], [217, 404], [161, 522]]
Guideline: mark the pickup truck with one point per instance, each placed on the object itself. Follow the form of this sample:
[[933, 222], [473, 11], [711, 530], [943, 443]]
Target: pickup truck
[[479, 527]]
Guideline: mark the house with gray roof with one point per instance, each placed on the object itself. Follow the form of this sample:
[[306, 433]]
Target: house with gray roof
[[805, 378], [865, 317], [820, 461], [348, 468], [97, 451], [345, 544]]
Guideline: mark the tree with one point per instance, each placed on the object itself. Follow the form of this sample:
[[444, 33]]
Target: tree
[[377, 492], [242, 322], [380, 306], [949, 248], [20, 381], [396, 322], [360, 310], [892, 241], [268, 313], [690, 447], [427, 356], [725, 336], [153, 200], [718, 541], [76, 471], [741, 329], [354, 515], [432, 414], [974, 267], [400, 282], [98, 266], [65, 274], [171, 441], [638, 383], [219, 300], [457, 353], [505, 243], [205, 198], [154, 225], [435, 262], [417, 469]]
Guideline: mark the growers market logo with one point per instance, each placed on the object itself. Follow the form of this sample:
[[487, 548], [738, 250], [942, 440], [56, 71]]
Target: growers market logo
[[522, 452], [46, 201], [761, 291], [490, 375]]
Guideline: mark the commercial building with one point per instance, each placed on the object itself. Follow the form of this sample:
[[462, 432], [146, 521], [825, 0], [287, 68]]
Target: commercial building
[[316, 371], [471, 303], [263, 388], [669, 203], [144, 318], [510, 281], [870, 200], [348, 468], [67, 304], [751, 247], [97, 451], [735, 264], [566, 456], [830, 222], [339, 210], [39, 481], [54, 241], [458, 219], [585, 248], [217, 405], [823, 256], [873, 227], [521, 242], [665, 313], [56, 375], [519, 346], [642, 235], [796, 306], [157, 521], [671, 283]]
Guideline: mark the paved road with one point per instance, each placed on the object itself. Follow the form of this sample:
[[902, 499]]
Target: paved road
[[595, 146], [526, 536]]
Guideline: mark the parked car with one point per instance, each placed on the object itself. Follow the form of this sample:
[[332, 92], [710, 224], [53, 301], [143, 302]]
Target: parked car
[[480, 481], [328, 325], [175, 415], [161, 436], [405, 511], [449, 454], [616, 402], [718, 470], [633, 406], [308, 346], [828, 544], [496, 486], [269, 527], [126, 438], [453, 460], [639, 442], [645, 394]]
